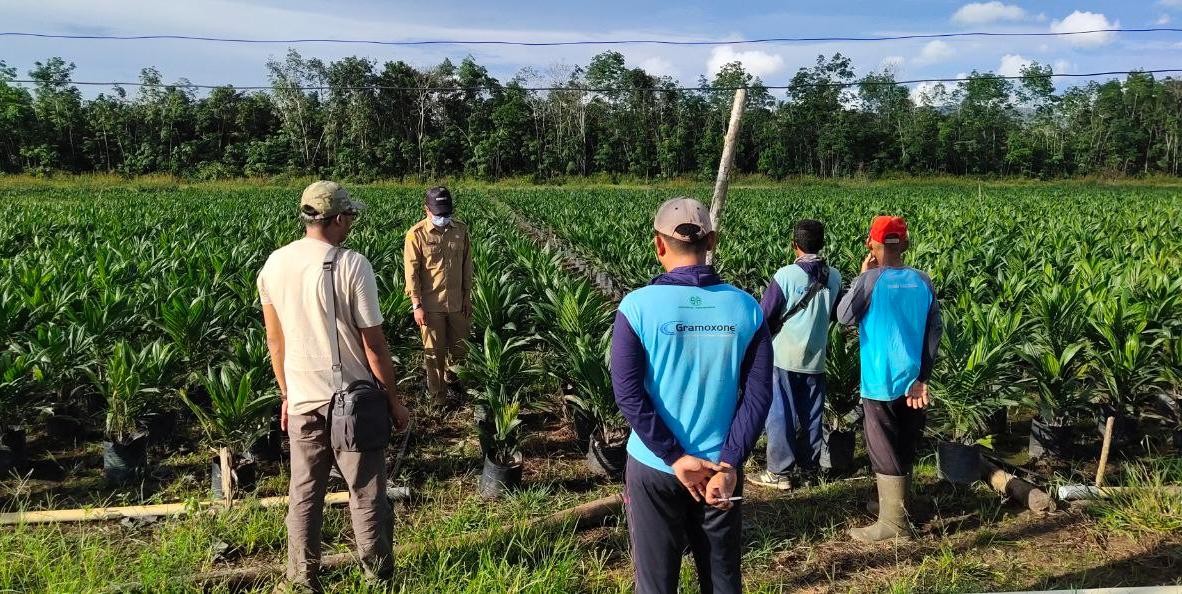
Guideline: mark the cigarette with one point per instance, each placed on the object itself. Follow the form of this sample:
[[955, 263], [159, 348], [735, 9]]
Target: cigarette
[[735, 499]]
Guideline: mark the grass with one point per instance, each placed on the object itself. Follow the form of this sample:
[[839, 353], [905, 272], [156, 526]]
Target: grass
[[1148, 506], [793, 541]]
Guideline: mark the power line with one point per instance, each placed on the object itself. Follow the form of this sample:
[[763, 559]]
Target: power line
[[585, 41], [597, 89]]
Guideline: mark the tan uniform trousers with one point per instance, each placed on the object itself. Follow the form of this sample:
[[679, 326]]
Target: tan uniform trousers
[[312, 458], [443, 348]]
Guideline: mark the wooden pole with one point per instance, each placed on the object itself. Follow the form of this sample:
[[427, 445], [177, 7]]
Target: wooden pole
[[722, 181], [225, 460], [142, 511], [1104, 451]]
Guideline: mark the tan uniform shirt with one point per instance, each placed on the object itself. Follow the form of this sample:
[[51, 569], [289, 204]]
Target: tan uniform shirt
[[292, 282], [438, 266]]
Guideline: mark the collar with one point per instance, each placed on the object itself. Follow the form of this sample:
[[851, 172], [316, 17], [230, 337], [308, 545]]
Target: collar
[[698, 275]]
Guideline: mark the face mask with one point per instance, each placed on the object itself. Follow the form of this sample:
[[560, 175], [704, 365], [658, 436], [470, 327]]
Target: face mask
[[440, 221]]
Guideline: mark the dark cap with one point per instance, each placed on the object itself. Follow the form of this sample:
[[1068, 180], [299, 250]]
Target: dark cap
[[439, 201]]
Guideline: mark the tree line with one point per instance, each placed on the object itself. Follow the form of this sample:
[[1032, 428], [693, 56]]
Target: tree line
[[363, 121]]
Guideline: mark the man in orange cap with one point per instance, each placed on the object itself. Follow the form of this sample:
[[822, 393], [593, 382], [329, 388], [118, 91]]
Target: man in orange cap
[[898, 318]]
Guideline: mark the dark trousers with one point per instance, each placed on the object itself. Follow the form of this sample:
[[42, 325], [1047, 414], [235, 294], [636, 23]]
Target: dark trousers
[[794, 429], [893, 430], [664, 519]]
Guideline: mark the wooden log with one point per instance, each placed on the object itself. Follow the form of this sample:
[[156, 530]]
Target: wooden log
[[1031, 496], [722, 180]]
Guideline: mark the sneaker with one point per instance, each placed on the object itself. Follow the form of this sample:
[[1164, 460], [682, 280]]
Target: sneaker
[[771, 480]]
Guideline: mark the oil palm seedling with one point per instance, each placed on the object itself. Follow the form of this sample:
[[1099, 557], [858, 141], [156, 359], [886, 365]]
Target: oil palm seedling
[[131, 381], [497, 372], [842, 386], [1058, 392], [1124, 362], [498, 301], [594, 400], [235, 419], [15, 375], [193, 323], [969, 385]]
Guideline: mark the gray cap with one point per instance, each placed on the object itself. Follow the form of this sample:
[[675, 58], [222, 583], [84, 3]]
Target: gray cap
[[674, 216]]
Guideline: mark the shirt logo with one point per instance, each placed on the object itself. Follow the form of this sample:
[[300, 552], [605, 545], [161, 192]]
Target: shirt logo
[[679, 328], [696, 302]]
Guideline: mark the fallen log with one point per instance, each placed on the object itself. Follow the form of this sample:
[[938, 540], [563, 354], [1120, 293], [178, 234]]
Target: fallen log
[[1034, 498]]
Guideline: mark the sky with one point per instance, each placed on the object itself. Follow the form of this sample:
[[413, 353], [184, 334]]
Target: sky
[[535, 20]]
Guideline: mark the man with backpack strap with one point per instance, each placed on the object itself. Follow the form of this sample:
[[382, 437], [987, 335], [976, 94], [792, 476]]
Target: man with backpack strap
[[798, 305], [324, 331]]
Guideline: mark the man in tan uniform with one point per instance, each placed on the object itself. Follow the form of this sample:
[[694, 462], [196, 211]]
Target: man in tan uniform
[[438, 264], [294, 293]]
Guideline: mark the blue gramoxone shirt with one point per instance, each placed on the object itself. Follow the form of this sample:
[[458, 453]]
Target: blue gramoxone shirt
[[691, 369], [899, 327], [800, 342]]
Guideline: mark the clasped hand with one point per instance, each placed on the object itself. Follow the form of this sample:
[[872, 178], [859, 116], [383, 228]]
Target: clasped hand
[[706, 480]]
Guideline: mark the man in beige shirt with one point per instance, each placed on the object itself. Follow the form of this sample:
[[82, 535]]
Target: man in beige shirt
[[438, 265], [294, 294]]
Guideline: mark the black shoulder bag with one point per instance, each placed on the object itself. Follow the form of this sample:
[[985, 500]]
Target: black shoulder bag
[[359, 420]]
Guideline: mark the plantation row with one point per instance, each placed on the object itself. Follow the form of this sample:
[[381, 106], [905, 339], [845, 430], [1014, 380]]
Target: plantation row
[[129, 309], [1064, 300]]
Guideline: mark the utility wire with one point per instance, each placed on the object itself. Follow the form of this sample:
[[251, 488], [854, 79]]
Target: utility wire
[[596, 89], [586, 41]]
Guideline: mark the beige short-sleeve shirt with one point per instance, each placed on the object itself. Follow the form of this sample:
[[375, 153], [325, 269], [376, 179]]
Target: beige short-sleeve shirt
[[292, 282]]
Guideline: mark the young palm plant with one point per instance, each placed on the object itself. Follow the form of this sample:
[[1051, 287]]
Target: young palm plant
[[969, 385], [497, 372], [128, 379], [1124, 355], [842, 378], [236, 418]]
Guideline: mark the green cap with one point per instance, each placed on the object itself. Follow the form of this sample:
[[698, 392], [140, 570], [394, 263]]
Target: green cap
[[327, 199]]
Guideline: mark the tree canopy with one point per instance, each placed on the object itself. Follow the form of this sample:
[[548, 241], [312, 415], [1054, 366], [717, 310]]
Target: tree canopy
[[357, 120]]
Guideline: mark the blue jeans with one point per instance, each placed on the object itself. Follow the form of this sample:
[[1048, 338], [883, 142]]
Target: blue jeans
[[794, 430]]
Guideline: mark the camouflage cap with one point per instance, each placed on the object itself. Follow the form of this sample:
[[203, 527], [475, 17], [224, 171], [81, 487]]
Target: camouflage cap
[[327, 199]]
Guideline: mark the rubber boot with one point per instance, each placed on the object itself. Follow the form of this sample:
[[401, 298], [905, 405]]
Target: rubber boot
[[892, 512]]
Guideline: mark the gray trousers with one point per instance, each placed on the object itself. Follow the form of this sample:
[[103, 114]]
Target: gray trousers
[[312, 458], [664, 520]]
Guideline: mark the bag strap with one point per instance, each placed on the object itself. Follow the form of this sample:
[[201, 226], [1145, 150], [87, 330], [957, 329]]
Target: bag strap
[[814, 287], [328, 271]]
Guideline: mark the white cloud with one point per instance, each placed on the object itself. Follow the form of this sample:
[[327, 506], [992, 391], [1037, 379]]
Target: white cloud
[[931, 93], [1086, 21], [1171, 3], [756, 62], [935, 51], [1012, 64], [983, 13], [658, 66], [1164, 19], [1063, 66], [892, 63]]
